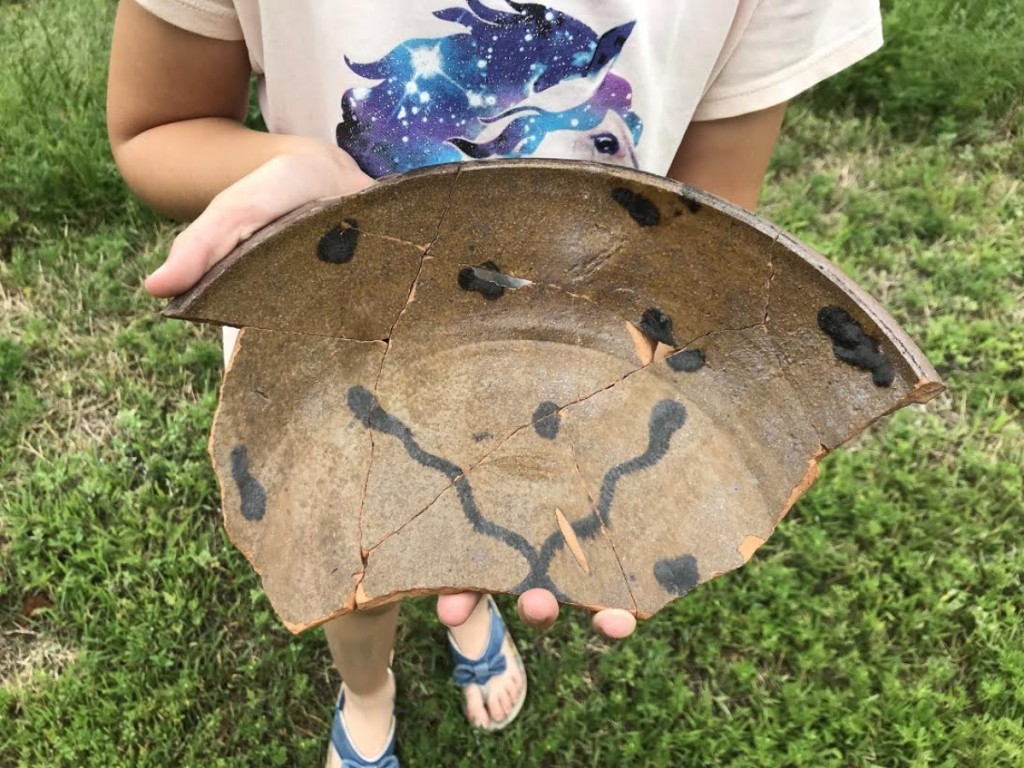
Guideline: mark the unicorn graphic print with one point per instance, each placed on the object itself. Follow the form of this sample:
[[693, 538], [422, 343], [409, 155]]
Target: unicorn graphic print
[[529, 81]]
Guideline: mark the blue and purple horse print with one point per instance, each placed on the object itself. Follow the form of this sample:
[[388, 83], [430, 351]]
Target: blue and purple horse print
[[529, 81]]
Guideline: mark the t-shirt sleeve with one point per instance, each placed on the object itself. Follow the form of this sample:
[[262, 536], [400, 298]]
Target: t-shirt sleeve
[[209, 18], [786, 47]]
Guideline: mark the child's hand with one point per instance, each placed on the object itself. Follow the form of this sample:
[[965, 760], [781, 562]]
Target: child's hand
[[539, 610], [272, 190]]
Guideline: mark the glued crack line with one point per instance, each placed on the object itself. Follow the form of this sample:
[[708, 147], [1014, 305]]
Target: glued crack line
[[521, 427], [768, 298], [604, 530], [720, 331], [771, 280], [451, 484], [389, 238], [387, 348]]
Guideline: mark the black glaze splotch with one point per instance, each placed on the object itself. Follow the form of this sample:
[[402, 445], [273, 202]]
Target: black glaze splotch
[[479, 437], [854, 347], [468, 281], [677, 575], [365, 407], [546, 420], [640, 208], [338, 245], [658, 325], [667, 416], [687, 361], [251, 493], [692, 204]]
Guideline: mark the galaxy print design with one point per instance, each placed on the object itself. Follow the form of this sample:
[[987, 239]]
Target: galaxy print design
[[529, 81]]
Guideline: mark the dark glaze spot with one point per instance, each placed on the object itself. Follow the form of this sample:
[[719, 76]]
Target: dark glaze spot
[[252, 494], [546, 420], [678, 575], [667, 417], [854, 347], [656, 324], [468, 281], [692, 204], [338, 245], [687, 361], [640, 208], [365, 406], [479, 437]]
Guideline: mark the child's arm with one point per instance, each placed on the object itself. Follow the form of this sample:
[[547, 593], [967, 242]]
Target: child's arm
[[175, 107], [729, 157]]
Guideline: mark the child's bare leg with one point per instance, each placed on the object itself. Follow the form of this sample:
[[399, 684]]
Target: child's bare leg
[[471, 636], [361, 645]]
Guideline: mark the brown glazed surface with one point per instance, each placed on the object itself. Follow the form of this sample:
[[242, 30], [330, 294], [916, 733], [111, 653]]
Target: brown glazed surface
[[504, 375]]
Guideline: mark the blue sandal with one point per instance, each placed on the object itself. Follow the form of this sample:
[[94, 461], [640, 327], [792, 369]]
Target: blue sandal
[[350, 756], [491, 664]]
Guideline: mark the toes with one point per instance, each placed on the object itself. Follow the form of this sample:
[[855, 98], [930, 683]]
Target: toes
[[516, 685], [508, 698], [514, 681], [476, 711], [496, 705]]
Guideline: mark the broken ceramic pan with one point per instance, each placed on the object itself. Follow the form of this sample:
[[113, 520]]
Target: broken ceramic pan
[[515, 374]]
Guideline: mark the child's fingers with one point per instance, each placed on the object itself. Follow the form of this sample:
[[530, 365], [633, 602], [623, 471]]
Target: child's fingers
[[202, 244], [614, 623], [538, 609], [454, 610]]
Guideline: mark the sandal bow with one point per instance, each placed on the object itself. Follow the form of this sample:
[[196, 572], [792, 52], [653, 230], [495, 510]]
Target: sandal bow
[[479, 672]]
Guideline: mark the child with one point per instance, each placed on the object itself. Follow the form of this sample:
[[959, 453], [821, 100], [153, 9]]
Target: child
[[358, 89]]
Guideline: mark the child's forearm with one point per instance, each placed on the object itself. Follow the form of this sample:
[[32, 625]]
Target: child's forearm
[[178, 168]]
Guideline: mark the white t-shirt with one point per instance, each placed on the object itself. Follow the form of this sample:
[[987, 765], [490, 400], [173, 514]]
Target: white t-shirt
[[405, 83]]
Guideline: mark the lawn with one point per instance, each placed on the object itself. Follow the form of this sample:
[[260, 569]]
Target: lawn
[[881, 626]]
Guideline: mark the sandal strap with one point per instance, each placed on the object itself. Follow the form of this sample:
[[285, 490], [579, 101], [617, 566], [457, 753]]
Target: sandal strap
[[350, 756], [492, 663]]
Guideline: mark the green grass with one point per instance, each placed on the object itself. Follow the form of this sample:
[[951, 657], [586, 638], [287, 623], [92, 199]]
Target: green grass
[[949, 68], [880, 626]]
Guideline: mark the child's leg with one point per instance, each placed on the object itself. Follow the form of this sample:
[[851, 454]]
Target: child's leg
[[361, 645]]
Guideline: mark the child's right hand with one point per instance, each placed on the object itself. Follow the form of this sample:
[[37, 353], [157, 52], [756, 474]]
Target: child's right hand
[[272, 190]]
